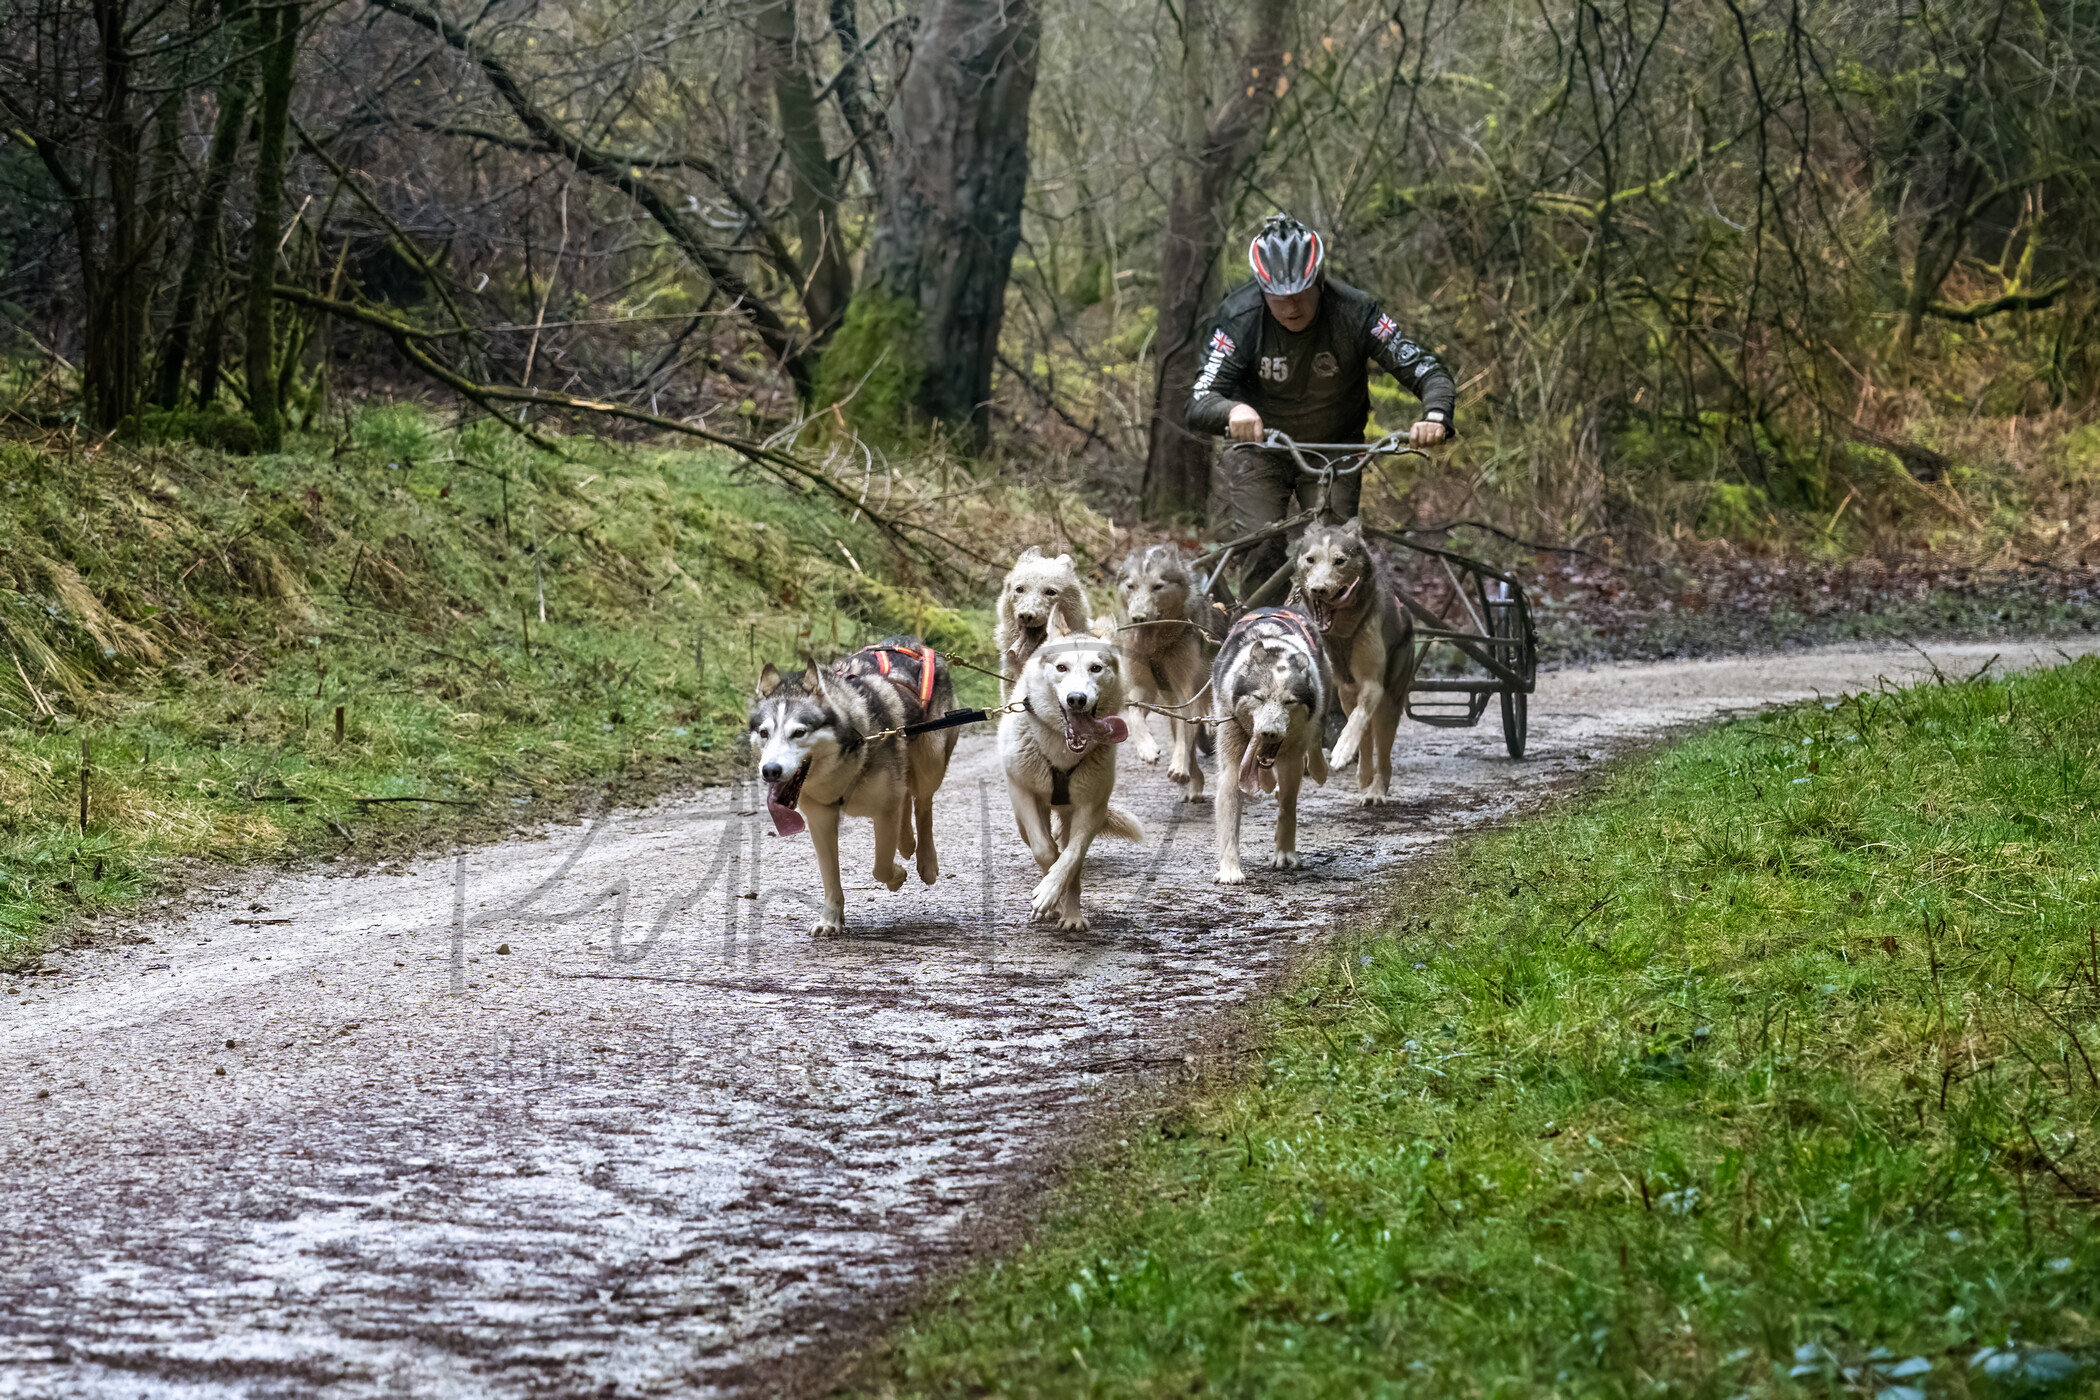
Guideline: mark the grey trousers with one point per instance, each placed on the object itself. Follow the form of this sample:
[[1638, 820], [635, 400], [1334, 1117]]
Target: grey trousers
[[1255, 487]]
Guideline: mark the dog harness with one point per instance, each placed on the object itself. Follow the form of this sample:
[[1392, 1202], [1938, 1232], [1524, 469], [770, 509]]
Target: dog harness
[[925, 656], [1296, 622]]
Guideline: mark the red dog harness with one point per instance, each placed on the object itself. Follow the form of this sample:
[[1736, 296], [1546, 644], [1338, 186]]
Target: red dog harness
[[926, 656], [1295, 622]]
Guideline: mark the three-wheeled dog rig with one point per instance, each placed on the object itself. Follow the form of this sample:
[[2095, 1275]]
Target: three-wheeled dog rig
[[1476, 629]]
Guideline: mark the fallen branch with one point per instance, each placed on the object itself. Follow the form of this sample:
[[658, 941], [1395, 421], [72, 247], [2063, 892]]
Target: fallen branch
[[1449, 526], [440, 801], [785, 468], [1982, 310]]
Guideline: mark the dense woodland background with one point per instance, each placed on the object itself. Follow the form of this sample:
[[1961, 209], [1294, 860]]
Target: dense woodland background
[[1818, 272]]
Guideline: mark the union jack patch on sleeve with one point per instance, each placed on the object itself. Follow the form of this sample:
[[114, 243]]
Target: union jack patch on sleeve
[[1222, 343], [1384, 330]]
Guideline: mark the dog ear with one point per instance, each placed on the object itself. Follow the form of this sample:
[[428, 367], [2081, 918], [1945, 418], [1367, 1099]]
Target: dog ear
[[1104, 628], [768, 681], [1032, 552], [1354, 526], [1064, 561], [813, 678]]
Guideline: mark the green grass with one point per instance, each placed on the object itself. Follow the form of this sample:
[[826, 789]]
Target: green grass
[[1769, 1070], [197, 619]]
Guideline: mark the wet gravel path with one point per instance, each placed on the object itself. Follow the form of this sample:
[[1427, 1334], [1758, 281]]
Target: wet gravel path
[[325, 1136]]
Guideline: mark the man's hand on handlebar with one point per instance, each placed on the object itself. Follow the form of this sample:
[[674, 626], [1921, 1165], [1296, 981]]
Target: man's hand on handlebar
[[1245, 425]]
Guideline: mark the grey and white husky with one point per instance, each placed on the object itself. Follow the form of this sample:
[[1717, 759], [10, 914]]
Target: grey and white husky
[[1370, 646], [1163, 654], [1060, 759], [819, 764], [1270, 681]]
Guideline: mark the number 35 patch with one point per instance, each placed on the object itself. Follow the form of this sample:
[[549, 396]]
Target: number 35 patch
[[1275, 368]]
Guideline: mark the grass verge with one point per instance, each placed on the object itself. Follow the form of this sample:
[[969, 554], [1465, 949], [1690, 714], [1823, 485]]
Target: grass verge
[[505, 635], [1769, 1070]]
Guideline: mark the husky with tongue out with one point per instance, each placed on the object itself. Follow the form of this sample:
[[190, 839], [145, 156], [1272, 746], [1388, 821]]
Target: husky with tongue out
[[818, 765], [1060, 758], [1270, 681], [1370, 646]]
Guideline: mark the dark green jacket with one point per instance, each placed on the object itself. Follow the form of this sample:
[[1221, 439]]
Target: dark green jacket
[[1313, 385]]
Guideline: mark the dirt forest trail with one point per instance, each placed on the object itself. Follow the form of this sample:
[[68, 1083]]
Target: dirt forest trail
[[320, 1136]]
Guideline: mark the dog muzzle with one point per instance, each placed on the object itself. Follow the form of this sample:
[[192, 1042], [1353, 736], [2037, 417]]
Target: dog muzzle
[[1083, 731], [1323, 612], [781, 798], [1031, 636], [1261, 754]]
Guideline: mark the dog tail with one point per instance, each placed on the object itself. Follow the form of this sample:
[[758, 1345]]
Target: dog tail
[[1121, 823]]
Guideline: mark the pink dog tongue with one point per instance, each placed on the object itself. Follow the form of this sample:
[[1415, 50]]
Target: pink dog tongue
[[1082, 730], [1250, 773], [786, 820]]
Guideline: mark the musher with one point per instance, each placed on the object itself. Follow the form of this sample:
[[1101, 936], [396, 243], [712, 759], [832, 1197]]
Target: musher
[[1290, 350]]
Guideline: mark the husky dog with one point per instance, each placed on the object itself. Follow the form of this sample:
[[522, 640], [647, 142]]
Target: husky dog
[[818, 763], [1270, 681], [1060, 760], [1163, 654], [1370, 646], [1038, 589]]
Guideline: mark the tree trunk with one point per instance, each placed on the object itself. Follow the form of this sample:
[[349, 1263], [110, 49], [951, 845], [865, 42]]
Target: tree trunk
[[1211, 160], [934, 288], [813, 184], [111, 275], [211, 354], [846, 91], [279, 27], [1940, 244], [204, 219]]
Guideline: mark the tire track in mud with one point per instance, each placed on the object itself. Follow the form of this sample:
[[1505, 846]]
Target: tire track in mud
[[322, 1136]]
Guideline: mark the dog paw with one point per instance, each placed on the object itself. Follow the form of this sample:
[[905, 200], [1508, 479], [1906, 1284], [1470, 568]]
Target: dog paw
[[894, 877], [1286, 860], [1148, 752], [1178, 771], [1343, 755], [1044, 899], [1073, 923], [1373, 797], [829, 926], [929, 867], [1231, 875]]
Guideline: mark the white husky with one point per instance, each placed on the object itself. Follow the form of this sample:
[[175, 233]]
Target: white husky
[[1060, 758], [1037, 590]]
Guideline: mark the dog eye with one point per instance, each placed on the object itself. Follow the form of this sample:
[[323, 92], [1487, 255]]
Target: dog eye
[[1049, 593], [797, 732]]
